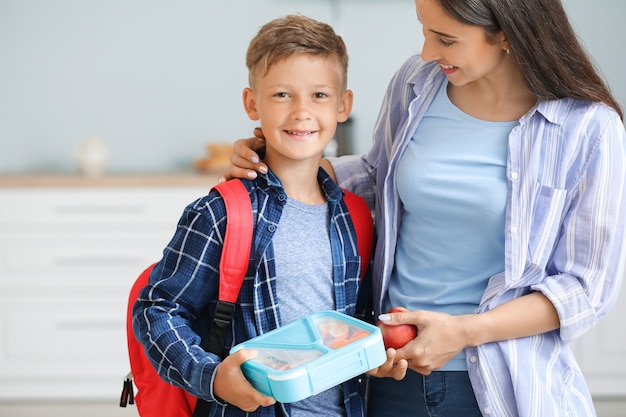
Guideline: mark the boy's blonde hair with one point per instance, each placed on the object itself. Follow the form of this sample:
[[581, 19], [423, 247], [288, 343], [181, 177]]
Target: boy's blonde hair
[[294, 35]]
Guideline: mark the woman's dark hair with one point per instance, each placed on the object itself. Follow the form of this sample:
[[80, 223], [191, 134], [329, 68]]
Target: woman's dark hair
[[552, 60]]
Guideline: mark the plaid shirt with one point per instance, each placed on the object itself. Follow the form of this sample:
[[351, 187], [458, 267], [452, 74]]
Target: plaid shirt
[[174, 312]]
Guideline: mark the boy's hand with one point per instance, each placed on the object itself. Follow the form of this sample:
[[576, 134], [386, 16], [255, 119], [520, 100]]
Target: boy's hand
[[392, 368], [232, 386], [244, 161]]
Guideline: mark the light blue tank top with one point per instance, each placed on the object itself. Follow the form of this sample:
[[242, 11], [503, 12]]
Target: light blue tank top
[[452, 184]]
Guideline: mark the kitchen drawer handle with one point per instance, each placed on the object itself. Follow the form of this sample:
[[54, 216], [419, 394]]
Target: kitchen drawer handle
[[88, 325], [100, 209], [90, 261]]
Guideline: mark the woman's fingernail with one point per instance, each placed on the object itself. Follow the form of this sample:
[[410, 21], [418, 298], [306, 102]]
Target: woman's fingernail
[[263, 170], [384, 317], [251, 175], [255, 159]]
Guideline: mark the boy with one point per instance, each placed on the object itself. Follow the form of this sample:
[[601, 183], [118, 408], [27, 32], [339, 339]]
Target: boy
[[305, 256]]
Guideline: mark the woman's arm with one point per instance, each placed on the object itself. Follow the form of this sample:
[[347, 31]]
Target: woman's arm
[[525, 316], [441, 336]]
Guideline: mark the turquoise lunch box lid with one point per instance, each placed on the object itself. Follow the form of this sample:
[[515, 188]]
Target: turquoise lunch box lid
[[310, 355]]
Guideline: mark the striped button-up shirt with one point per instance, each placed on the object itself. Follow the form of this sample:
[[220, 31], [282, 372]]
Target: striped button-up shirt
[[564, 235], [172, 314]]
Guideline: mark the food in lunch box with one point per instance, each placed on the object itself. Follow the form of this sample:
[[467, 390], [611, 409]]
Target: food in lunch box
[[336, 334]]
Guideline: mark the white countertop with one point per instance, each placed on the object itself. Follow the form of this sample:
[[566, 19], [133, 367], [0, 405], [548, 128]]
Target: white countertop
[[109, 180]]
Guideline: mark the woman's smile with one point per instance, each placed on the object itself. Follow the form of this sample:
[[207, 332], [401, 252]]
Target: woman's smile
[[448, 69]]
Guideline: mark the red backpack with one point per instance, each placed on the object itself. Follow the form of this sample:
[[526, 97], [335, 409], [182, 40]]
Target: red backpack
[[157, 398]]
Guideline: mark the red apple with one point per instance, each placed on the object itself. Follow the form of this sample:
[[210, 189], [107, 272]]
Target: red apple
[[397, 336]]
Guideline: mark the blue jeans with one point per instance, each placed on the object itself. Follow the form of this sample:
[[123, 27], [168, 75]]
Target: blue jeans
[[440, 394]]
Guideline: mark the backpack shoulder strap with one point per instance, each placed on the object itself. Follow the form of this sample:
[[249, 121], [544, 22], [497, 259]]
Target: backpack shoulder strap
[[233, 267], [363, 225], [237, 239], [234, 259]]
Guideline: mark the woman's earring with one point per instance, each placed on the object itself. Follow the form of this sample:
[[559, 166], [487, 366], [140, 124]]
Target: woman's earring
[[508, 51]]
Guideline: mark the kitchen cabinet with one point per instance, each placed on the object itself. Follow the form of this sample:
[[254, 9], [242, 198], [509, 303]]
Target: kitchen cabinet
[[70, 249]]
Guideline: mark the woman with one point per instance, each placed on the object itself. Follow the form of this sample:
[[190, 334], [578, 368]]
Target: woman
[[497, 176]]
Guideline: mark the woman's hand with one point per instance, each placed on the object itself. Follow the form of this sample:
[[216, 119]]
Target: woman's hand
[[232, 386], [244, 161], [439, 338]]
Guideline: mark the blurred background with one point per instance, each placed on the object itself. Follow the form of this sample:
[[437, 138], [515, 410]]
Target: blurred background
[[156, 82]]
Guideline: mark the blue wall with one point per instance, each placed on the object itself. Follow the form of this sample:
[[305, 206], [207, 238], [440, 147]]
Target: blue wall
[[156, 80]]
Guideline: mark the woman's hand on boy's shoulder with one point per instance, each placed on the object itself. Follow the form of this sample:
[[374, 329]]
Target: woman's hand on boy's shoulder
[[244, 160]]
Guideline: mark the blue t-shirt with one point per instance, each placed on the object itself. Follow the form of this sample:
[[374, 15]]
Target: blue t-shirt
[[304, 284], [452, 184]]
